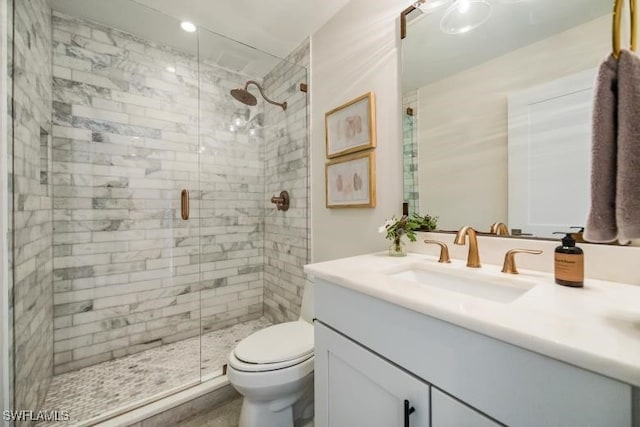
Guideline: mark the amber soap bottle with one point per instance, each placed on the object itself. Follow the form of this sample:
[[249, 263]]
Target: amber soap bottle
[[569, 263]]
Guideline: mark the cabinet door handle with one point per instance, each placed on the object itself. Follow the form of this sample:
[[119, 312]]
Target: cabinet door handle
[[408, 410], [185, 204]]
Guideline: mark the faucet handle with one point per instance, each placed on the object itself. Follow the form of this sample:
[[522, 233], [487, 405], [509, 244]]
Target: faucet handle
[[509, 265], [444, 250]]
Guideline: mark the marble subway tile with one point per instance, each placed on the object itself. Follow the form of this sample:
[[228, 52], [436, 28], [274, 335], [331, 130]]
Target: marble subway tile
[[99, 349], [132, 143]]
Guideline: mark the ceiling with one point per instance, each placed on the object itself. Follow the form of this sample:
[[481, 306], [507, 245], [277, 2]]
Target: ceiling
[[276, 27], [429, 55], [247, 36]]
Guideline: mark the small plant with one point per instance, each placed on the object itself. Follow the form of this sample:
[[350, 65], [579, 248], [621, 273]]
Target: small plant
[[425, 223], [397, 227]]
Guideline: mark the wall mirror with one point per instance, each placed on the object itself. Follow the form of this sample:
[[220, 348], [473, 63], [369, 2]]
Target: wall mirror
[[497, 111]]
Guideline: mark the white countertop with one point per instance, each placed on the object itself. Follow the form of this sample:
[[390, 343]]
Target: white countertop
[[596, 327]]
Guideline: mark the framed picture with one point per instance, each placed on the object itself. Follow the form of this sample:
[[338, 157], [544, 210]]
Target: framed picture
[[350, 181], [351, 127]]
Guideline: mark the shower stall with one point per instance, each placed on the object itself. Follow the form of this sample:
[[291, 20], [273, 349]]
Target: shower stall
[[143, 241]]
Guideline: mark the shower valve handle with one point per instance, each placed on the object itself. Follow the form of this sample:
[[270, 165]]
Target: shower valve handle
[[282, 201]]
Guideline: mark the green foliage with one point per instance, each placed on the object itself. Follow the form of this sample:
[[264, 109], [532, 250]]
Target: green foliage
[[396, 228], [425, 223]]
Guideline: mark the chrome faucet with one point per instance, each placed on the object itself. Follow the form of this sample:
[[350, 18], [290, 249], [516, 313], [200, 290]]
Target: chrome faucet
[[473, 259]]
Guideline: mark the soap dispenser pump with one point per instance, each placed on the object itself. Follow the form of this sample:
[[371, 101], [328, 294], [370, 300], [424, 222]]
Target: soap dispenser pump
[[569, 263]]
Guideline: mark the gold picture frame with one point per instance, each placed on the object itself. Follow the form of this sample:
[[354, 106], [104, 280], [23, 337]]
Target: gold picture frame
[[351, 127], [350, 181]]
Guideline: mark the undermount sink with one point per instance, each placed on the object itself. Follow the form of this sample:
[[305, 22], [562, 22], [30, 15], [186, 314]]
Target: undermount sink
[[499, 289]]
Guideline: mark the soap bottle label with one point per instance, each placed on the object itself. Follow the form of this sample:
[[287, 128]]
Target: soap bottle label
[[570, 268]]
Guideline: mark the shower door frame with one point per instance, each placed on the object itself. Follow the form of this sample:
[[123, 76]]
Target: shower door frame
[[5, 392]]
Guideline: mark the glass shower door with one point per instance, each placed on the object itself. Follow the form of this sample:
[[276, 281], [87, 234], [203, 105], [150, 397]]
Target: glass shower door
[[100, 171], [251, 253], [232, 197]]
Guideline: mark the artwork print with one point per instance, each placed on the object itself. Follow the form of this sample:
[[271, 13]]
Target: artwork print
[[351, 127], [350, 181]]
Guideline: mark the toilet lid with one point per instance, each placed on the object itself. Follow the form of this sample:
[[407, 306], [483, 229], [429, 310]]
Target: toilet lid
[[277, 343]]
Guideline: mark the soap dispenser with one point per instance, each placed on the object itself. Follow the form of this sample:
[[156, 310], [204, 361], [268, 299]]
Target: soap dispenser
[[569, 263]]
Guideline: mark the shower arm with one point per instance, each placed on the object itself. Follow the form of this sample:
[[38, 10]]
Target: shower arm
[[266, 98]]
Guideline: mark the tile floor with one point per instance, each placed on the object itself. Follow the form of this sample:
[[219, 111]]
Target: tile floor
[[120, 383], [226, 415]]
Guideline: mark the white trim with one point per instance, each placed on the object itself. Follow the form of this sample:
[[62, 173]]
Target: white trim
[[4, 227]]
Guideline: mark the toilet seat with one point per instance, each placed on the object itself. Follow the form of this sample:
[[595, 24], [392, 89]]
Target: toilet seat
[[240, 365], [276, 347]]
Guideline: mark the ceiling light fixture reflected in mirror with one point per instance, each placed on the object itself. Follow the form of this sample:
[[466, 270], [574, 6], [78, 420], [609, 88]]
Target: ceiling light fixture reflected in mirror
[[464, 16], [189, 27]]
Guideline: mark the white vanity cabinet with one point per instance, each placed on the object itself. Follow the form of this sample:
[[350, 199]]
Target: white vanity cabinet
[[449, 412], [359, 388], [372, 355], [362, 389]]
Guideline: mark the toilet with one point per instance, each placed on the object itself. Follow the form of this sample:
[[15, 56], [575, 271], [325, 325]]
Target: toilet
[[273, 370]]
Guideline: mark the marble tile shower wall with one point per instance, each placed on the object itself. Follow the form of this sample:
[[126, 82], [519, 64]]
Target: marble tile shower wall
[[410, 150], [129, 273], [31, 223], [287, 166]]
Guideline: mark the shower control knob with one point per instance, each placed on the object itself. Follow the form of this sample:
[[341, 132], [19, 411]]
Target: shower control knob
[[282, 201]]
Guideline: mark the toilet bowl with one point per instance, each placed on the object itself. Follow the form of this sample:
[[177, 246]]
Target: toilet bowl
[[273, 370]]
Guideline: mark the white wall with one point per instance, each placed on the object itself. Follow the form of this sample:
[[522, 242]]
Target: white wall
[[357, 51]]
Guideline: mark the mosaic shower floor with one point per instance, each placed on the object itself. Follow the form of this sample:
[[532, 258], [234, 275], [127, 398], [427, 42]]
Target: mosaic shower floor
[[96, 390]]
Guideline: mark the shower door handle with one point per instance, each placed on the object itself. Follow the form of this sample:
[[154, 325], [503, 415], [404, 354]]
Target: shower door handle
[[185, 204]]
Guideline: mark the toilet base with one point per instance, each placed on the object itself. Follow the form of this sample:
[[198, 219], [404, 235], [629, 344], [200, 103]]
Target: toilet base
[[294, 411], [260, 414]]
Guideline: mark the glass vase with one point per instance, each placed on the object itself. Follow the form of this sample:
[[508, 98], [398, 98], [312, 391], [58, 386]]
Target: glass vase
[[397, 248]]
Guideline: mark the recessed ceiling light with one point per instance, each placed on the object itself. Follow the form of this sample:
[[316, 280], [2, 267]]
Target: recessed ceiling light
[[171, 69], [189, 27]]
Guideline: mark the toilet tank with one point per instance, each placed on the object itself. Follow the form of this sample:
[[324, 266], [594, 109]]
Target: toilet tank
[[306, 310]]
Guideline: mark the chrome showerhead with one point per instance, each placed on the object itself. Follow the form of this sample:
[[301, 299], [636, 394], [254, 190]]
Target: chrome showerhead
[[244, 96]]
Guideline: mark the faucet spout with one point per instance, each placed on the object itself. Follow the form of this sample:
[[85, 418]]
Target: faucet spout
[[499, 229], [473, 258]]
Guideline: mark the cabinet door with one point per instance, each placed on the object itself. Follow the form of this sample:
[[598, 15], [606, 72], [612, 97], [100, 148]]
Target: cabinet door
[[448, 412], [355, 387]]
